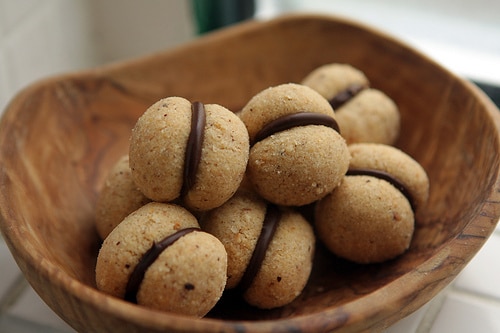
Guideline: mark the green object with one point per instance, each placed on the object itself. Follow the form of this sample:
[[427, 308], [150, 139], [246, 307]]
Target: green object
[[213, 14]]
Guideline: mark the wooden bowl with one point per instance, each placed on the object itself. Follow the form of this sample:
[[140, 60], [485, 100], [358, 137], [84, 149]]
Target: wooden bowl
[[59, 138]]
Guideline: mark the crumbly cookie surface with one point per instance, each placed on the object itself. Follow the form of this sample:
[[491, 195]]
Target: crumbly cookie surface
[[369, 117], [363, 114], [365, 220], [237, 224], [287, 263], [331, 79], [158, 154], [118, 198], [224, 159], [157, 148], [298, 166], [395, 162], [281, 100], [188, 277]]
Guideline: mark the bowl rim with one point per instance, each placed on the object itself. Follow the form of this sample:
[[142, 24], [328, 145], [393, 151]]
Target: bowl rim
[[473, 235]]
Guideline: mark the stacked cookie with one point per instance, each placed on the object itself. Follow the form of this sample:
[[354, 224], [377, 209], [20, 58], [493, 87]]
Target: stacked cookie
[[207, 200]]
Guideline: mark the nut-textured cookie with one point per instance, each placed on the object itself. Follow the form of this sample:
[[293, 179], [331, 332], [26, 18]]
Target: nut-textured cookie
[[363, 114], [395, 162], [336, 82], [269, 267], [191, 151], [370, 217], [159, 258], [365, 220], [297, 156], [118, 197], [369, 117]]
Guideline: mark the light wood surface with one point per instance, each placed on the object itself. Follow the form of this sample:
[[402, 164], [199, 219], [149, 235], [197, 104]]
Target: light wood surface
[[59, 137]]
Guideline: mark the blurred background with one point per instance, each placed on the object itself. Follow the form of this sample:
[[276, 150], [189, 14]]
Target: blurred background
[[42, 38]]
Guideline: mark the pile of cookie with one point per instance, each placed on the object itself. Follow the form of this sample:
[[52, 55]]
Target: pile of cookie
[[209, 200]]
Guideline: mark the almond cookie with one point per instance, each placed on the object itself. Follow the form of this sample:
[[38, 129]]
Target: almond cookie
[[395, 162], [336, 82], [270, 249], [192, 152], [118, 198], [297, 154], [370, 217], [159, 258], [363, 114]]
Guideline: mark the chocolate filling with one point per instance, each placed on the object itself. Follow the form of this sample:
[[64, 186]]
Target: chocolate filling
[[147, 260], [345, 95], [293, 120], [387, 177], [194, 146], [269, 226]]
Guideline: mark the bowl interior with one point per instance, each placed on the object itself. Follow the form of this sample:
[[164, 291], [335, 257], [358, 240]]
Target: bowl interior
[[59, 138]]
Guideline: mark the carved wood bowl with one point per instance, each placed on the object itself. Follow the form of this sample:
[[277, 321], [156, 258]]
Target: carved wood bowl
[[59, 138]]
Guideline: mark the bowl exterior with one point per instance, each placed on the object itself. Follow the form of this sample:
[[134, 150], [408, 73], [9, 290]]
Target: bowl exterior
[[59, 138]]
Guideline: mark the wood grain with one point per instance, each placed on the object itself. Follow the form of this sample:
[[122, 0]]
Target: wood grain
[[60, 136]]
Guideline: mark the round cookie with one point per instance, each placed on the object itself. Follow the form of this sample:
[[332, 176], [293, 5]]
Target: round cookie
[[371, 116], [197, 153], [297, 155], [336, 82], [118, 198], [396, 163], [158, 257], [365, 220], [270, 268], [363, 114], [370, 217]]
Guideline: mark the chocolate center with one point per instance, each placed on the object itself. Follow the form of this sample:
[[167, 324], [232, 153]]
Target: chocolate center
[[147, 260], [345, 95], [387, 177], [293, 120], [269, 226], [194, 146]]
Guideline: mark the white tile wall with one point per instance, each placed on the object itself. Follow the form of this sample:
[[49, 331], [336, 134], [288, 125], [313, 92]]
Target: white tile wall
[[136, 30], [39, 38], [4, 80], [13, 12]]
